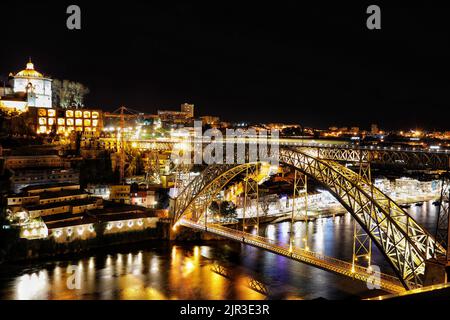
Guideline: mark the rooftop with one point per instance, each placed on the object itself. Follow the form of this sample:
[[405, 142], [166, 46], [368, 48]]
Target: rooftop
[[29, 72]]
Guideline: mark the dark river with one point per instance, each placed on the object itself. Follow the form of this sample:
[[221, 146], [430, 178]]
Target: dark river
[[161, 270]]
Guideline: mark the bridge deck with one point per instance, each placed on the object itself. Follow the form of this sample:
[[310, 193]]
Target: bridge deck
[[386, 282]]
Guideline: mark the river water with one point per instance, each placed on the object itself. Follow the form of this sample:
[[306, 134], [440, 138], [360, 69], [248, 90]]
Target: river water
[[162, 270]]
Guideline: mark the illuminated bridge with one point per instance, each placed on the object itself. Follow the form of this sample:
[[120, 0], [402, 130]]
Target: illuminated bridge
[[404, 243], [413, 158]]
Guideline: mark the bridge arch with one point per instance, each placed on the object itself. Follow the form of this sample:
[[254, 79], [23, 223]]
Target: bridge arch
[[404, 243]]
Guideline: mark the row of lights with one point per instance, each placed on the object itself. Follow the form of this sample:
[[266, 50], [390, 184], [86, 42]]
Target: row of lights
[[120, 224], [80, 231]]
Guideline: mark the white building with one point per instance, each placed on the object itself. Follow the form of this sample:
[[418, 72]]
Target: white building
[[36, 87]]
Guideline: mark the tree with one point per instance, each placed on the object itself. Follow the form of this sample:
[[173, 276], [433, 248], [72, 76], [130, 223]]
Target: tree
[[225, 209], [67, 93]]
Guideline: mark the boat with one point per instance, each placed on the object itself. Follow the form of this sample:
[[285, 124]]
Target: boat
[[405, 206], [436, 203], [419, 204]]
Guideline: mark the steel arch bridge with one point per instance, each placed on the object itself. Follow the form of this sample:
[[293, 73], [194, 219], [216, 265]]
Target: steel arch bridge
[[403, 242]]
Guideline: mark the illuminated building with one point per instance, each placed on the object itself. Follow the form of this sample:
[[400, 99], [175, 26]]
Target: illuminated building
[[210, 120], [62, 121], [28, 88], [120, 193], [178, 117], [188, 109], [37, 87]]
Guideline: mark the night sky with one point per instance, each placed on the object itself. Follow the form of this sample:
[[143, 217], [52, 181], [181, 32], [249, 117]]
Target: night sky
[[280, 61]]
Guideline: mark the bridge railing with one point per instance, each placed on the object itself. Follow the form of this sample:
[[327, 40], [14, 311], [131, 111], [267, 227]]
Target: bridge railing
[[330, 263]]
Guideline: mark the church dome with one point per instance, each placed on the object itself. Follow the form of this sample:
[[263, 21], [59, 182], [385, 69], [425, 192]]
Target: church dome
[[29, 72]]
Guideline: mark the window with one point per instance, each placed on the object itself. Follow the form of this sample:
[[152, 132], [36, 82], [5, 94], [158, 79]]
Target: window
[[87, 122], [78, 122], [86, 114], [51, 113], [78, 114], [69, 113], [61, 121], [51, 121], [69, 122], [94, 114], [42, 121], [95, 123], [42, 112]]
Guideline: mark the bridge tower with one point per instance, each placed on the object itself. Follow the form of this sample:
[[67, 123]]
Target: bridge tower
[[250, 188], [300, 191], [362, 243]]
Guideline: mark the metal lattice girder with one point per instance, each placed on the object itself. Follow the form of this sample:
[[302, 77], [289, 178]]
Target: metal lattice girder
[[362, 243], [251, 188], [405, 244], [199, 194], [442, 229], [300, 189], [391, 156], [400, 238]]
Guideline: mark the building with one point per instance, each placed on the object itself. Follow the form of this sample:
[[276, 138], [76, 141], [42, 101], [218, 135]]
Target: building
[[120, 193], [35, 161], [27, 88], [374, 129], [144, 198], [210, 120], [184, 116], [39, 176], [188, 109], [64, 121]]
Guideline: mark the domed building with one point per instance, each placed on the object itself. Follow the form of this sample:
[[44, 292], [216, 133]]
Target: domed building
[[32, 84]]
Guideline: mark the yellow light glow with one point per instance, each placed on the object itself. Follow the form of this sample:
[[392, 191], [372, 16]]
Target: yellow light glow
[[42, 121], [61, 121], [51, 112], [94, 114], [69, 113], [86, 114], [69, 122], [78, 122], [87, 122], [78, 114]]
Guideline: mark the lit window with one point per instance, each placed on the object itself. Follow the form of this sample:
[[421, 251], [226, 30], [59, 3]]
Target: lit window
[[78, 122], [61, 129], [69, 122], [61, 121], [86, 114], [94, 114], [42, 112], [94, 123], [51, 121], [42, 129], [51, 113], [87, 122], [79, 129], [69, 113], [42, 121], [78, 114]]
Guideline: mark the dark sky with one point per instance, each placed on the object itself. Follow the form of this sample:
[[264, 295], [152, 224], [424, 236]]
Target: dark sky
[[280, 61]]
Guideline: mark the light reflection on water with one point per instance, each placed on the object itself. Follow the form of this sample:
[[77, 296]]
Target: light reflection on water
[[161, 270]]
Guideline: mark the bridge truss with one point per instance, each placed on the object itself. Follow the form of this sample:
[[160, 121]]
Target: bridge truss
[[404, 243]]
